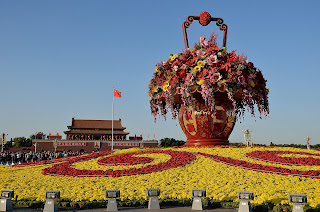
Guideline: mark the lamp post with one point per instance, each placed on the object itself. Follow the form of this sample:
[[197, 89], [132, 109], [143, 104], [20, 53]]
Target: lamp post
[[55, 145], [51, 201], [244, 201], [112, 202], [197, 194], [35, 147], [308, 140], [153, 195], [3, 138], [298, 201], [247, 137], [5, 202]]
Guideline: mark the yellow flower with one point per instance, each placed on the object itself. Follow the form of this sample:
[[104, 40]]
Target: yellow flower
[[173, 57], [224, 82], [200, 63], [166, 86], [200, 82], [195, 70], [251, 83], [198, 68], [155, 89]]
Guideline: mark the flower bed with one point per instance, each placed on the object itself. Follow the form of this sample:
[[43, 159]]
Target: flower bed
[[221, 171]]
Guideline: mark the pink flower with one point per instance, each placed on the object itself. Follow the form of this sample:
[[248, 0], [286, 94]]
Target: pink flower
[[216, 77], [212, 59], [241, 80]]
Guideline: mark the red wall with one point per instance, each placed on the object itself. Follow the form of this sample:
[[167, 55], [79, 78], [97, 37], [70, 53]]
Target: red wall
[[47, 145]]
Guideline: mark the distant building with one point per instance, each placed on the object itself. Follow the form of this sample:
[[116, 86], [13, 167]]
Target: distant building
[[96, 130], [92, 135]]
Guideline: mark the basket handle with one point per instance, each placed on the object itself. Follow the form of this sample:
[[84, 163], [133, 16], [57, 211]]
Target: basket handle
[[204, 19]]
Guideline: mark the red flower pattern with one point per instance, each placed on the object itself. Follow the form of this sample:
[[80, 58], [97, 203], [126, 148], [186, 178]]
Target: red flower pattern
[[178, 158]]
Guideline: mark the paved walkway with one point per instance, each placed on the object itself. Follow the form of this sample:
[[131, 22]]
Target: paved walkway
[[163, 209]]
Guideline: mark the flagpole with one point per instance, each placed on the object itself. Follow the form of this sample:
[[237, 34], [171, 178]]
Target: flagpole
[[112, 118]]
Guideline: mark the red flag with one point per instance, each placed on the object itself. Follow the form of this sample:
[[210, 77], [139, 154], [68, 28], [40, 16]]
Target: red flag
[[57, 134], [49, 133], [141, 135], [116, 93]]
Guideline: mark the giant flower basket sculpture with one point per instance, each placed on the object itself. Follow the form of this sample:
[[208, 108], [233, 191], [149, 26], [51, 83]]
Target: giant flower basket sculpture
[[207, 88]]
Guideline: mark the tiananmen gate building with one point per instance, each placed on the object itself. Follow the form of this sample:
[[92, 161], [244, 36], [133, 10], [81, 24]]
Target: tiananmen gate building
[[92, 135], [96, 130]]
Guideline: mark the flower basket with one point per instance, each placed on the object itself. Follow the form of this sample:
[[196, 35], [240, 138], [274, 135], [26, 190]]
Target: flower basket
[[207, 87]]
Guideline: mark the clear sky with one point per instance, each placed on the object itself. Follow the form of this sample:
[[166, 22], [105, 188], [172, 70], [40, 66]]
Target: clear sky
[[60, 59]]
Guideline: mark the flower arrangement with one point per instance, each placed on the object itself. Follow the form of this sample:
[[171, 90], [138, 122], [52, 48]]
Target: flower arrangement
[[207, 69]]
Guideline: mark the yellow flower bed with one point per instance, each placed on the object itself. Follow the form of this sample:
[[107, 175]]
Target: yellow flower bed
[[221, 181]]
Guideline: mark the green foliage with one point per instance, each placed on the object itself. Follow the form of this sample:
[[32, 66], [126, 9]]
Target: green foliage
[[39, 135], [22, 142], [262, 208], [9, 144], [229, 204], [168, 142], [281, 208], [212, 203], [301, 146]]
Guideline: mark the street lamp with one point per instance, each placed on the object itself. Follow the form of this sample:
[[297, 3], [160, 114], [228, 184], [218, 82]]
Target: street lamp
[[298, 200], [197, 194], [153, 198], [112, 202], [51, 201], [247, 137], [5, 202], [35, 146], [3, 140], [308, 141], [244, 198], [55, 145]]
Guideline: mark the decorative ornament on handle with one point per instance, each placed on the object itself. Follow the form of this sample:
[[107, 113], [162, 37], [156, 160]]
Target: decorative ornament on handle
[[204, 19]]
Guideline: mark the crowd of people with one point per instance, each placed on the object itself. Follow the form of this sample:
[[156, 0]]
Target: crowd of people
[[8, 158]]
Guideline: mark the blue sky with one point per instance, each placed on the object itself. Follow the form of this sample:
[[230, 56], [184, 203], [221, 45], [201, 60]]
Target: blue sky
[[60, 59]]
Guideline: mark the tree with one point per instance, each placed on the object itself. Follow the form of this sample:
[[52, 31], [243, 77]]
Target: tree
[[9, 143], [22, 142], [39, 135], [168, 142]]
